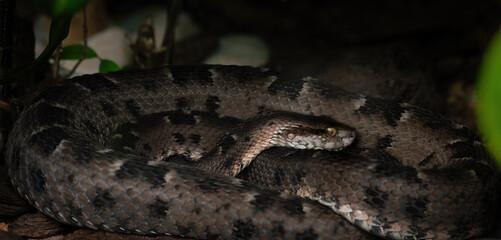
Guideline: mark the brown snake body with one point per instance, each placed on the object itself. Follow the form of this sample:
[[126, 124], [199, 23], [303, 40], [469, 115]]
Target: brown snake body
[[411, 174]]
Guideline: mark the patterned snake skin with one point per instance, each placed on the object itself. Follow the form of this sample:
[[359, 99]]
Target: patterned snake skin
[[411, 174]]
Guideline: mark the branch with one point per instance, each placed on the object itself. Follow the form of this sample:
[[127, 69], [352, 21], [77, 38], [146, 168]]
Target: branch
[[85, 47], [173, 11]]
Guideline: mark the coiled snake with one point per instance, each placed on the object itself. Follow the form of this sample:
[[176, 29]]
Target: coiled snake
[[410, 174]]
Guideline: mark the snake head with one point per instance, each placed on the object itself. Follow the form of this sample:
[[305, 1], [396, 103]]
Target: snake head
[[338, 137], [307, 132], [331, 138]]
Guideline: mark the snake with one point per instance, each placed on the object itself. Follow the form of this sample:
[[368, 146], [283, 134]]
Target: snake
[[408, 174]]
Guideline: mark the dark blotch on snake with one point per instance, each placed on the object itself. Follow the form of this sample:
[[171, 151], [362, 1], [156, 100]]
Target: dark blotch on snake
[[149, 121], [48, 139], [379, 154], [308, 235], [179, 138], [294, 207], [183, 230], [413, 211], [386, 169], [176, 158], [147, 148], [226, 142], [481, 170], [183, 104], [440, 123], [278, 229], [415, 207], [104, 199], [16, 158], [76, 212], [261, 110], [197, 210], [292, 154], [108, 109], [291, 85], [228, 162], [463, 149], [426, 160], [376, 106], [375, 197], [466, 133], [335, 92], [212, 103], [243, 229], [183, 75], [39, 179], [91, 126], [262, 201], [137, 167], [71, 178], [195, 138], [277, 177], [158, 208], [299, 175], [384, 142], [207, 186], [242, 75], [212, 235], [149, 84], [53, 115], [54, 93], [128, 140], [133, 108], [96, 83], [433, 123], [178, 117], [376, 230]]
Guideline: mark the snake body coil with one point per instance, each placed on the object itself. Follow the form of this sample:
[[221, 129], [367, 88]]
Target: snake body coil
[[411, 173]]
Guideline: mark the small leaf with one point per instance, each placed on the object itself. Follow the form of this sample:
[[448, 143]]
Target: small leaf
[[107, 65], [489, 97], [74, 52]]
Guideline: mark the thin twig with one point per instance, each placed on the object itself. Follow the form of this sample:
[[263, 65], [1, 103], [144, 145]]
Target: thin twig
[[57, 59], [85, 48], [168, 41]]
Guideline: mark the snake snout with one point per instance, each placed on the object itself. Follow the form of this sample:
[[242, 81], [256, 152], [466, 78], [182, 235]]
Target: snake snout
[[347, 137]]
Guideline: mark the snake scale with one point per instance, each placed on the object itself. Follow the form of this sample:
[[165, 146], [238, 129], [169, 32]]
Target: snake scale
[[411, 174]]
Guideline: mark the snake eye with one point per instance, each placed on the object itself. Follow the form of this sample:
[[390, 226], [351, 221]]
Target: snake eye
[[332, 131]]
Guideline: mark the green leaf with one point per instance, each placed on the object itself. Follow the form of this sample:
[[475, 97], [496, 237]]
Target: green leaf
[[107, 65], [75, 52], [57, 8], [489, 98]]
